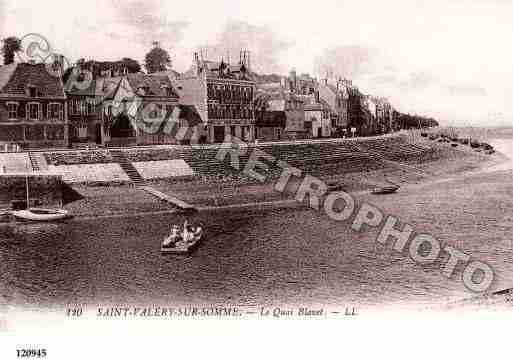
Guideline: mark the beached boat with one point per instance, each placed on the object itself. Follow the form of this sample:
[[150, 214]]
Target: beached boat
[[38, 214], [175, 243], [335, 186], [385, 189], [41, 214]]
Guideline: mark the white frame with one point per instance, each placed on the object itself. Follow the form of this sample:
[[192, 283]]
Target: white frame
[[59, 113], [39, 109], [8, 111]]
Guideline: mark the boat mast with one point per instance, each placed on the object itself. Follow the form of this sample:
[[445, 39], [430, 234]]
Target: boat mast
[[27, 188]]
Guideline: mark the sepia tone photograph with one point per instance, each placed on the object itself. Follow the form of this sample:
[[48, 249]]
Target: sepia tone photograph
[[182, 167]]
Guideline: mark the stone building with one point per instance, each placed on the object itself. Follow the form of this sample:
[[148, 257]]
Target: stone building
[[337, 96], [223, 95], [32, 106], [144, 110], [292, 109], [317, 116], [86, 94], [302, 84]]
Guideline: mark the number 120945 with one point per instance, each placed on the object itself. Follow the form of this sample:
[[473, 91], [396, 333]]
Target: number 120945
[[31, 353]]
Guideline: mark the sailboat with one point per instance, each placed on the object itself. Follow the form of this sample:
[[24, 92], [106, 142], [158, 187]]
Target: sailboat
[[39, 214]]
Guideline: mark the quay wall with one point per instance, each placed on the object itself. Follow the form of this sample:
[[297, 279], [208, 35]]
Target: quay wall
[[319, 158]]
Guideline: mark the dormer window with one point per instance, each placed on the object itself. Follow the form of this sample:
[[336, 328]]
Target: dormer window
[[32, 91]]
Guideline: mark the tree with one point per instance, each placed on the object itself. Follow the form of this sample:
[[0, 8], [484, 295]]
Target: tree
[[11, 45], [157, 59], [131, 65]]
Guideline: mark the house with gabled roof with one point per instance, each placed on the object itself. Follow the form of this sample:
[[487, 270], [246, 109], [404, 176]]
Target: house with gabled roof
[[292, 109], [33, 110], [86, 95], [145, 110]]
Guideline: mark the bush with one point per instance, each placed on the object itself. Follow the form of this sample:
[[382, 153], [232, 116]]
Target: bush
[[423, 134], [454, 144], [474, 144]]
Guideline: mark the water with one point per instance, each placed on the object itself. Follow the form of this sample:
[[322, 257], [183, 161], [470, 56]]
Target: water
[[286, 256]]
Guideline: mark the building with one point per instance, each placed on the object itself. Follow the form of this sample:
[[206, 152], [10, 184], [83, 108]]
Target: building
[[292, 108], [302, 84], [144, 110], [317, 116], [223, 95], [270, 125], [337, 96], [86, 95], [32, 106]]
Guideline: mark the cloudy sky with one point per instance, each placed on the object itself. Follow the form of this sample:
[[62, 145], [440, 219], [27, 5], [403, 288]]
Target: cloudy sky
[[451, 59]]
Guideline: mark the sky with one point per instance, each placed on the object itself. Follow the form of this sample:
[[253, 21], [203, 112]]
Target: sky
[[449, 59]]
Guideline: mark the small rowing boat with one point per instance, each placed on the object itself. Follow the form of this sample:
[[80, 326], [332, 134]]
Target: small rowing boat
[[182, 243], [41, 214], [385, 189], [335, 186]]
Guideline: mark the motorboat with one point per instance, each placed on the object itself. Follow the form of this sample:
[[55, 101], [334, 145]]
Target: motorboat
[[41, 214], [182, 242]]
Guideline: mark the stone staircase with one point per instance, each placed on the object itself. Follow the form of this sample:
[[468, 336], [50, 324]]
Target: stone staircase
[[127, 167], [37, 161]]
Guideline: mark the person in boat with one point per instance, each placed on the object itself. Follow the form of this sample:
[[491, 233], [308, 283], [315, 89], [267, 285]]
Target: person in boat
[[187, 234], [173, 237], [175, 233]]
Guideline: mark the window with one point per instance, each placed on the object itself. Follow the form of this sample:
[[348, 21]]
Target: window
[[89, 107], [12, 109], [32, 91], [232, 131], [82, 131], [74, 107], [54, 111], [169, 109], [33, 111]]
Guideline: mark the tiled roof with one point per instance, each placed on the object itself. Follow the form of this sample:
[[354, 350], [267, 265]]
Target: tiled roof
[[172, 74], [14, 79], [156, 84], [103, 87], [327, 106], [106, 87], [6, 73]]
